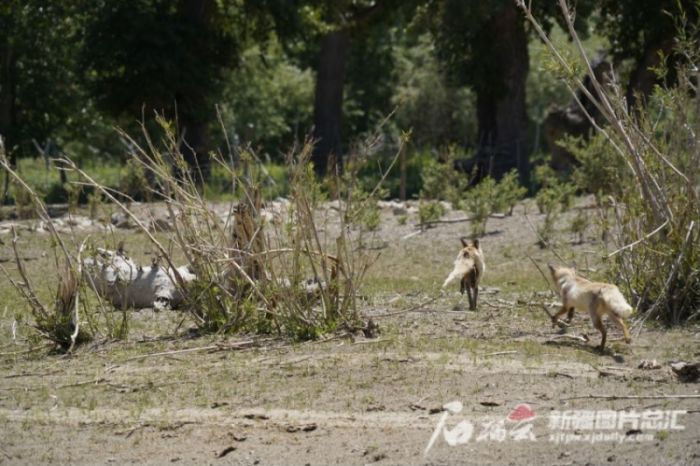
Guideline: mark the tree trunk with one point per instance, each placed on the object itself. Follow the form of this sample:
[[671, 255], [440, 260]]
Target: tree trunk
[[643, 78], [7, 97], [194, 147], [328, 102], [192, 109], [501, 105]]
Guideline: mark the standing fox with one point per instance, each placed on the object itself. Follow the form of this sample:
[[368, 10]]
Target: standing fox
[[469, 267], [596, 298]]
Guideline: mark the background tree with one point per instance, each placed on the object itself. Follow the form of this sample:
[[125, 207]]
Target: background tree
[[40, 95], [644, 32], [335, 26], [155, 55], [484, 45]]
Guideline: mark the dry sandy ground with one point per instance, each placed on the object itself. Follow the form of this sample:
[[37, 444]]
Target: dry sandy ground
[[351, 400]]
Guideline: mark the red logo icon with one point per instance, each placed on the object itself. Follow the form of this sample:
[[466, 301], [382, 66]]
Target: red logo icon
[[522, 412]]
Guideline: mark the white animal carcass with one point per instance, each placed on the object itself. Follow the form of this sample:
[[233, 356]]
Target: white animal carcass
[[118, 279]]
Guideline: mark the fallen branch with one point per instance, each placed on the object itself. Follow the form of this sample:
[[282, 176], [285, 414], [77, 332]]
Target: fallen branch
[[570, 337], [437, 222], [84, 382], [498, 353], [235, 346], [411, 235], [633, 397], [454, 220], [412, 309], [379, 340]]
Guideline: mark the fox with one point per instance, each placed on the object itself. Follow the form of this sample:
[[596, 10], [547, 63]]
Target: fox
[[598, 299], [469, 267]]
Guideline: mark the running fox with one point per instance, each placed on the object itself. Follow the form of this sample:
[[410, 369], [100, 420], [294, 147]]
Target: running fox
[[596, 298], [469, 267]]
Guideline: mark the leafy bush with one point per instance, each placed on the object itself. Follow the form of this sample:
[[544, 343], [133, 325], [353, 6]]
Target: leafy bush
[[599, 168], [441, 180], [133, 181], [430, 211], [479, 203], [509, 192]]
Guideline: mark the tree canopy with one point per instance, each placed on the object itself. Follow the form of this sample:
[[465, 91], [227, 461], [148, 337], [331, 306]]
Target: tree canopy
[[453, 72]]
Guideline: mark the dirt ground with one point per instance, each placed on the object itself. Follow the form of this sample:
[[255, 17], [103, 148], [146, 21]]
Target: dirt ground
[[517, 391]]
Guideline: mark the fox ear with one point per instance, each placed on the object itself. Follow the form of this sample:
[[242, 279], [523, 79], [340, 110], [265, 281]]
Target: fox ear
[[475, 242], [464, 241], [551, 268]]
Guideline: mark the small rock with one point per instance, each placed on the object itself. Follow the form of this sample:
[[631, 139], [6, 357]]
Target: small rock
[[649, 364], [120, 220]]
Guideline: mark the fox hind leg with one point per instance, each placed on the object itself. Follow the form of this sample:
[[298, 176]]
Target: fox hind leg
[[621, 323]]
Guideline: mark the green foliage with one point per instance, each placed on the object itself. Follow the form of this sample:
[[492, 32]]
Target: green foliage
[[133, 181], [578, 225], [23, 201], [555, 192], [662, 270], [441, 180], [40, 95], [601, 170], [479, 203], [430, 211], [489, 197], [509, 192], [268, 100], [156, 54], [554, 197], [94, 204], [463, 34], [437, 111]]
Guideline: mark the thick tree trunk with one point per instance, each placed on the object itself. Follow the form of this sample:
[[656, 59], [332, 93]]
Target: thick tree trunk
[[328, 102], [194, 147], [193, 125], [7, 97], [643, 78], [501, 105]]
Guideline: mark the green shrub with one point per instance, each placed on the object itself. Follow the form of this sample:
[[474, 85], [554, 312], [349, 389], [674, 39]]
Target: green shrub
[[479, 203], [430, 211], [600, 169], [509, 192], [441, 180], [133, 181]]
